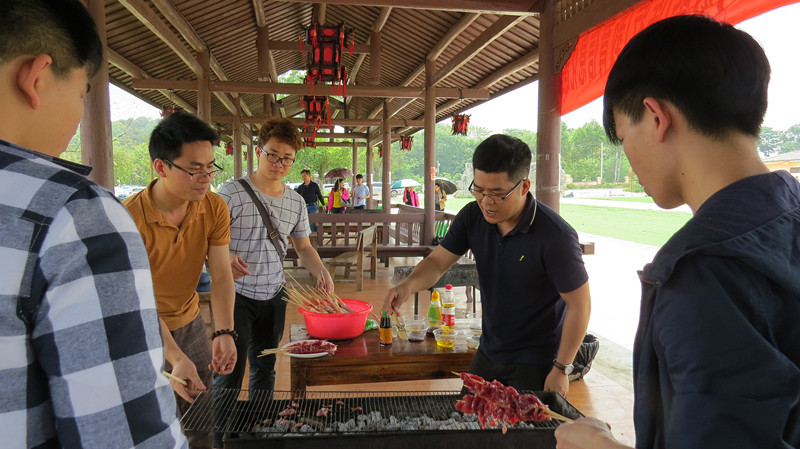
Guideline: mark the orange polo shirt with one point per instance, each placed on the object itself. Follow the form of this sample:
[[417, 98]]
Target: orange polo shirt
[[177, 254]]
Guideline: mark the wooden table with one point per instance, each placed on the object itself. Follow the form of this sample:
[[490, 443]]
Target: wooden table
[[363, 359]]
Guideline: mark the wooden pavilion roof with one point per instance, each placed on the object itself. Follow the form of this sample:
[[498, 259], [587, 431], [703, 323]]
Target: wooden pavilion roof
[[482, 49]]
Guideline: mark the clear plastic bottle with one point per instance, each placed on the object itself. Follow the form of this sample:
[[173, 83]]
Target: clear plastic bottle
[[435, 312], [448, 308]]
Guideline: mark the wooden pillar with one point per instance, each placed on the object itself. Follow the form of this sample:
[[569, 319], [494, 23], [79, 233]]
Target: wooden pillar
[[375, 59], [237, 140], [262, 48], [96, 143], [203, 91], [355, 161], [386, 194], [250, 149], [430, 149], [368, 175], [548, 145]]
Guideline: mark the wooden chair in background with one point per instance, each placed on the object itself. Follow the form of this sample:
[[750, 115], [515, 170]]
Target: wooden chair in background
[[367, 238]]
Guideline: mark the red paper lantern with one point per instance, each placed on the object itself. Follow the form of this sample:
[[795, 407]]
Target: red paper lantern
[[325, 58], [229, 149], [166, 112], [318, 111], [406, 142], [460, 124], [309, 142]]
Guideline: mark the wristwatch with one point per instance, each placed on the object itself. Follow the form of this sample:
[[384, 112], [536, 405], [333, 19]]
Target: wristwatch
[[566, 369]]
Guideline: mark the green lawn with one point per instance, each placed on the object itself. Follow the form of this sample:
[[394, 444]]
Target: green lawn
[[651, 227], [633, 199]]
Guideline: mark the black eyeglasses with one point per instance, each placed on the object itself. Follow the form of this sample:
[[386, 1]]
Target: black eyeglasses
[[493, 196], [273, 158], [199, 175]]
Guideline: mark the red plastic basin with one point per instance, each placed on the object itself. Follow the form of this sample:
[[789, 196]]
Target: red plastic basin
[[338, 326]]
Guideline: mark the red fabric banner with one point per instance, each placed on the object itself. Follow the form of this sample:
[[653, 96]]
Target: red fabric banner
[[584, 76]]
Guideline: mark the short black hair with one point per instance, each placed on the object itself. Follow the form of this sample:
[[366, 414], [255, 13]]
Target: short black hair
[[502, 153], [168, 137], [305, 170], [359, 176], [62, 29], [714, 74]]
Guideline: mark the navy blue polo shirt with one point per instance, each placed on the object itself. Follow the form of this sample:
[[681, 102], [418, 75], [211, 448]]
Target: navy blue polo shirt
[[521, 275]]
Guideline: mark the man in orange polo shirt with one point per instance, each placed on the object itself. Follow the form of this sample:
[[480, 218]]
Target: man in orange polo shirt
[[183, 225]]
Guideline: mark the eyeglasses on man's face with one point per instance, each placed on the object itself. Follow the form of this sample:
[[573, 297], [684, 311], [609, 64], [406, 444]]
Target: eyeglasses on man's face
[[274, 158], [480, 195], [197, 175]]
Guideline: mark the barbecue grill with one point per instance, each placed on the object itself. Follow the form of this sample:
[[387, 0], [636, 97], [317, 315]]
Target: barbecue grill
[[342, 419]]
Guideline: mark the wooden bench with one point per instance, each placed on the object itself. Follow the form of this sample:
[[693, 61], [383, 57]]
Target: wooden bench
[[355, 259]]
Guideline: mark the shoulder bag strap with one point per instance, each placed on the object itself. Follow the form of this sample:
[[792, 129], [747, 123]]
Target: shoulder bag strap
[[271, 231]]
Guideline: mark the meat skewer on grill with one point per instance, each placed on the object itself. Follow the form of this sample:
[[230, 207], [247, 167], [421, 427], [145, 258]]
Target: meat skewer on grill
[[496, 403]]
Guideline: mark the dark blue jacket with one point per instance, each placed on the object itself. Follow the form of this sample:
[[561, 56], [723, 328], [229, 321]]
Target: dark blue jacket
[[717, 352]]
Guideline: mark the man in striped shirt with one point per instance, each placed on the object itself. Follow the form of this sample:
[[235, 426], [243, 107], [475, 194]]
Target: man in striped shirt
[[79, 330]]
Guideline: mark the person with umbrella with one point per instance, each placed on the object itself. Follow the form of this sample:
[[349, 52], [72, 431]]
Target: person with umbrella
[[441, 196], [410, 196], [339, 198]]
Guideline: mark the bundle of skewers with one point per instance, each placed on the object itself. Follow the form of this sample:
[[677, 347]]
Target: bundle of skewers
[[314, 299]]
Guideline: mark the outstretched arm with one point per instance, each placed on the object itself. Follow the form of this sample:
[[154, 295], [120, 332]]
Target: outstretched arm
[[425, 274]]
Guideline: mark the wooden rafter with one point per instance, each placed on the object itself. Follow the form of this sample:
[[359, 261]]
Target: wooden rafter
[[462, 24], [305, 89], [137, 72], [515, 7], [491, 33], [186, 31]]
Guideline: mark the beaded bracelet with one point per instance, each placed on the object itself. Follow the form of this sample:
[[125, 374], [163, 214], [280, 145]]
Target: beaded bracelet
[[230, 332]]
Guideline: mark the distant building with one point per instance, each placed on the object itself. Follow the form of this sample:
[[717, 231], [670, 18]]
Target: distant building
[[785, 161]]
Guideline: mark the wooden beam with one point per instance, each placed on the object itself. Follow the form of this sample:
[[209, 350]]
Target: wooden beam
[[296, 46], [137, 72], [594, 14], [462, 24], [299, 122], [324, 135], [186, 31], [491, 33], [305, 89], [356, 143], [153, 22], [528, 59], [258, 13], [514, 7]]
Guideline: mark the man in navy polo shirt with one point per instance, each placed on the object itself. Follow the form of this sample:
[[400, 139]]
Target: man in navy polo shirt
[[535, 290]]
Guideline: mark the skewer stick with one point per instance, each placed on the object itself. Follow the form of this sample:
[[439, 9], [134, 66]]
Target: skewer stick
[[174, 377]]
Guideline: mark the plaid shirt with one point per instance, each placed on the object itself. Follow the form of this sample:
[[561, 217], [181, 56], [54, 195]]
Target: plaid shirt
[[250, 240], [84, 370]]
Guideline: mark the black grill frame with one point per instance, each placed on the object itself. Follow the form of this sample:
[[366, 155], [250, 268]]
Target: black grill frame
[[240, 415]]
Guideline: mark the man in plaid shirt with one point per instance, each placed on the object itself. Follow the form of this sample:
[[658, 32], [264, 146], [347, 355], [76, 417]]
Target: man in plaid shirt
[[79, 331]]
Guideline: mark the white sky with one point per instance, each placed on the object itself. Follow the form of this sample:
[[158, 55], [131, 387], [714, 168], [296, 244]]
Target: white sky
[[777, 31]]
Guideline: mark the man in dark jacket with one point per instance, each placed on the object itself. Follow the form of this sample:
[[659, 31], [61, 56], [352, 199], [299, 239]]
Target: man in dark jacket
[[716, 357], [309, 190]]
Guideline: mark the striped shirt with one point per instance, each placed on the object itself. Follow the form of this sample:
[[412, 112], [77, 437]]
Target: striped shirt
[[79, 332], [249, 237]]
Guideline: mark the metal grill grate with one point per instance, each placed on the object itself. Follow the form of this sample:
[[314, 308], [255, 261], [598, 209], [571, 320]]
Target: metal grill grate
[[279, 413]]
